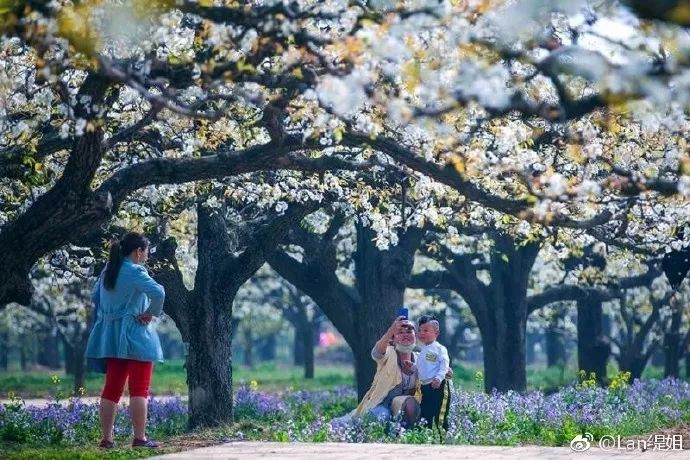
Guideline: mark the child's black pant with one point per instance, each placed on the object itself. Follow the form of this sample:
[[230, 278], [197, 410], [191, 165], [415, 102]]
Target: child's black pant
[[435, 405]]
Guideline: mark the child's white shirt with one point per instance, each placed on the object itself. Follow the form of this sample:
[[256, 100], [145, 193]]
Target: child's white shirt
[[433, 363]]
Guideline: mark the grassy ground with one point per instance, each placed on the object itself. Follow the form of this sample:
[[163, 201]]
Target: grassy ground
[[170, 378], [187, 441], [81, 453], [204, 438]]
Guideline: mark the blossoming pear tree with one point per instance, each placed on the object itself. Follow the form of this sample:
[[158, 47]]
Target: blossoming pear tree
[[101, 99]]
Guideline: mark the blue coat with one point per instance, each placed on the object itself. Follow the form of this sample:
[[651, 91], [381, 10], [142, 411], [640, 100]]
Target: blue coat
[[116, 332]]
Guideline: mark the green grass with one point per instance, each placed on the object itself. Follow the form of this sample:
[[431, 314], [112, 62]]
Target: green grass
[[187, 441], [170, 378], [271, 377], [74, 453]]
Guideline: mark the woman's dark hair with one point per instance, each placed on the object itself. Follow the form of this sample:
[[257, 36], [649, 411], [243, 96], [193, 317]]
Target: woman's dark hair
[[118, 251]]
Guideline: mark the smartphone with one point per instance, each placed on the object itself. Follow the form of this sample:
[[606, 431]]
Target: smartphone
[[402, 311]]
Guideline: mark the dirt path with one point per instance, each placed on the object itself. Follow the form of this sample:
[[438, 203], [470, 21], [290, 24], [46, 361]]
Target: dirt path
[[336, 451]]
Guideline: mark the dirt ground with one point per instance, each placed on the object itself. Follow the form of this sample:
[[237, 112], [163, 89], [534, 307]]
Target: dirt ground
[[198, 447], [334, 451]]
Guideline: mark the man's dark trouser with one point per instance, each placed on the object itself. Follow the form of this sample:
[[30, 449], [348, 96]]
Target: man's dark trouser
[[435, 405]]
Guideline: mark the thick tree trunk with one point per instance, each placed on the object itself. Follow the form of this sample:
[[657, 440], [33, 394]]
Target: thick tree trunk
[[633, 363], [658, 359], [308, 345], [204, 316], [267, 348], [209, 326], [248, 347], [66, 211], [503, 320], [23, 356], [364, 313], [69, 357], [381, 279], [303, 345], [80, 367], [532, 339], [592, 345], [4, 350], [672, 344], [556, 355], [208, 314], [48, 355], [371, 321], [687, 365], [634, 360], [634, 351], [443, 326], [504, 356], [298, 347], [209, 367]]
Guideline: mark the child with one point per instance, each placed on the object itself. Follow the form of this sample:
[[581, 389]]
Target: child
[[432, 366]]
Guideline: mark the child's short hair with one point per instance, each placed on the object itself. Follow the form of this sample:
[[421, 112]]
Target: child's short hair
[[431, 319]]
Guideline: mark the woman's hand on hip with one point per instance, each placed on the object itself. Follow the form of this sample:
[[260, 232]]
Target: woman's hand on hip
[[145, 318]]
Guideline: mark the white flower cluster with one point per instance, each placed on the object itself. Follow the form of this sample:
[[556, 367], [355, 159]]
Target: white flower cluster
[[344, 95]]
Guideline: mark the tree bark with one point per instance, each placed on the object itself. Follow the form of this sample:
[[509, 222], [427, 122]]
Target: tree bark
[[308, 341], [364, 315], [23, 358], [79, 367], [298, 347], [4, 350], [209, 366], [593, 348], [70, 364], [248, 347], [48, 355], [380, 278], [532, 339], [306, 335], [634, 360], [503, 322], [208, 316], [204, 315], [556, 355], [267, 348], [672, 346], [634, 353], [500, 309], [69, 208], [633, 363]]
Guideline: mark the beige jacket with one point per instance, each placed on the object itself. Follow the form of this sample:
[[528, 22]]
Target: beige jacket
[[387, 377]]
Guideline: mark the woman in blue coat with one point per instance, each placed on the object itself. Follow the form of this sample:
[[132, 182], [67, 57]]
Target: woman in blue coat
[[126, 299]]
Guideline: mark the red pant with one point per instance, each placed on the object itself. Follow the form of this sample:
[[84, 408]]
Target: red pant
[[117, 370]]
